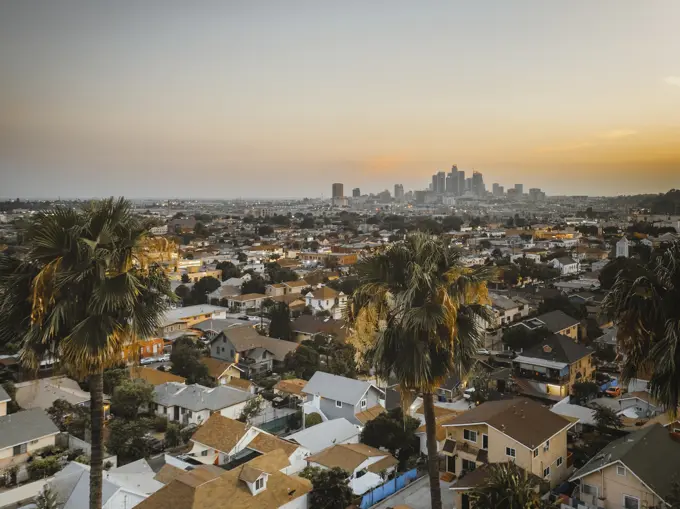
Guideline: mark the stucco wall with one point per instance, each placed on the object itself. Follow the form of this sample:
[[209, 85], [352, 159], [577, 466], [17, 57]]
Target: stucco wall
[[612, 487]]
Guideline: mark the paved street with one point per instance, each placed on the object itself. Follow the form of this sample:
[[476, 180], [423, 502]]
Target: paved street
[[417, 496]]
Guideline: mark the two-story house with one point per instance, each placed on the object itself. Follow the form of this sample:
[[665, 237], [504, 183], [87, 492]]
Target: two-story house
[[550, 369], [519, 430], [176, 321], [326, 299], [566, 265], [557, 322], [287, 288], [246, 301], [633, 472], [334, 396], [506, 310], [252, 352]]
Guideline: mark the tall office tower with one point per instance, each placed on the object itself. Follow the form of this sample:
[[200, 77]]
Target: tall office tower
[[519, 189], [338, 195], [461, 182], [450, 178], [356, 192], [433, 187], [496, 189], [441, 182], [468, 184], [501, 190], [478, 187], [399, 192], [535, 194]]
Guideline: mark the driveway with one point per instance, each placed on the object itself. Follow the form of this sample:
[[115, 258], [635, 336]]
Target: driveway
[[417, 496]]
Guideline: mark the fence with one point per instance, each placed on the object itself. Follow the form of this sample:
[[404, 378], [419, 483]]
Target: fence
[[389, 488]]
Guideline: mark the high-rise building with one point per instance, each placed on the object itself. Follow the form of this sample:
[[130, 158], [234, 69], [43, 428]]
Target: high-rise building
[[399, 192], [535, 194], [433, 186], [478, 187], [338, 195], [468, 184], [461, 183], [519, 189], [450, 178], [356, 192], [441, 183], [497, 189]]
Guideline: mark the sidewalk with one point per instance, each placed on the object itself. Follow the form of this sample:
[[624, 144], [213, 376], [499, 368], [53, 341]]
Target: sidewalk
[[417, 496]]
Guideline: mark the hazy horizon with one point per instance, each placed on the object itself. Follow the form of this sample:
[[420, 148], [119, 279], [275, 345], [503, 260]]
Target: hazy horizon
[[220, 100]]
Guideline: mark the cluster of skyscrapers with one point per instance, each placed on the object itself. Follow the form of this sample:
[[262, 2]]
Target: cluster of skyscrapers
[[456, 184]]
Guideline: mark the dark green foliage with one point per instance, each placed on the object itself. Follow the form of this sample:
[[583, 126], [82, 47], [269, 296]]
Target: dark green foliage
[[507, 487], [278, 274], [126, 439], [303, 361], [186, 362], [393, 432], [581, 392], [330, 488], [280, 325], [312, 419], [610, 272], [113, 377], [173, 435], [73, 419], [40, 468], [256, 284], [452, 223], [606, 418], [129, 397], [562, 303], [519, 337], [10, 389], [229, 270]]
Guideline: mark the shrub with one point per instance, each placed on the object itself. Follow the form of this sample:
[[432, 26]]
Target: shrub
[[83, 458], [173, 435], [160, 423], [73, 454], [43, 467], [312, 420]]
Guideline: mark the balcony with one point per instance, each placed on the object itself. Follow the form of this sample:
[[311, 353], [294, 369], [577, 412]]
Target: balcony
[[552, 377]]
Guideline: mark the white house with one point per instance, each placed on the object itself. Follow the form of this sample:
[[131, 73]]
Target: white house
[[622, 247], [327, 434], [327, 299], [566, 264]]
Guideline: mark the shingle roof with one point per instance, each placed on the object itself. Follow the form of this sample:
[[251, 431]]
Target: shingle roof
[[25, 426], [291, 386], [370, 413], [181, 314], [197, 397], [324, 293], [326, 434], [154, 376], [246, 338], [264, 443], [559, 348], [220, 433], [522, 419], [335, 387], [44, 392], [346, 456], [641, 452], [557, 320]]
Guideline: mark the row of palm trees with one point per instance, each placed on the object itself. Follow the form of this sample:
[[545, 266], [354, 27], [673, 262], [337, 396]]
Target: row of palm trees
[[86, 288]]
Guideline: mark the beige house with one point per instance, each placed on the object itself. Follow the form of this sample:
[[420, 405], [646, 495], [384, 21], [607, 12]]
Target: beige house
[[23, 433], [517, 430], [633, 472]]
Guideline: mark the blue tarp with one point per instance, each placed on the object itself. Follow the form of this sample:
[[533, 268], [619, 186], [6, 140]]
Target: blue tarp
[[389, 488]]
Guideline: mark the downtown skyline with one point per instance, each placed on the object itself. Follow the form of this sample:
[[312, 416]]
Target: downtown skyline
[[270, 101]]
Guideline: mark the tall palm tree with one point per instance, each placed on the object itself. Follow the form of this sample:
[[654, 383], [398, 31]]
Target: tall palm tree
[[507, 487], [418, 315], [81, 294], [644, 302]]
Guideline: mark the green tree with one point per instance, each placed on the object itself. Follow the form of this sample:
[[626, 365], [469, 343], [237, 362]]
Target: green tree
[[395, 432], [113, 377], [452, 223], [229, 270], [520, 338], [90, 290], [11, 390], [205, 285], [46, 499], [201, 230], [73, 419], [129, 397], [307, 223], [185, 279], [606, 418], [610, 272], [183, 292], [330, 488], [313, 419], [645, 309], [417, 316], [255, 285], [507, 487], [242, 257], [127, 439], [173, 435], [252, 408], [186, 362], [581, 392], [280, 326], [303, 361]]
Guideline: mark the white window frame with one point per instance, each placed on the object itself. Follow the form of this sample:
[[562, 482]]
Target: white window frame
[[623, 500], [618, 470], [259, 484], [470, 433], [559, 461], [546, 476], [592, 487], [338, 404], [364, 404], [511, 451], [547, 445], [536, 452]]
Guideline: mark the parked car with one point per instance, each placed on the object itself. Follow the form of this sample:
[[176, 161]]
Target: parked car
[[147, 360], [483, 351], [613, 392], [469, 393], [164, 358], [243, 317]]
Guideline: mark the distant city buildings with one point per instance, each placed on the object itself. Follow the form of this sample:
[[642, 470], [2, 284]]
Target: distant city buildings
[[356, 192], [399, 192], [535, 194], [519, 189], [338, 197]]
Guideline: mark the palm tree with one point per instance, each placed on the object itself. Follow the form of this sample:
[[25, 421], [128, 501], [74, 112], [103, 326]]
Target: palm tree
[[84, 291], [507, 487], [418, 315], [643, 302]]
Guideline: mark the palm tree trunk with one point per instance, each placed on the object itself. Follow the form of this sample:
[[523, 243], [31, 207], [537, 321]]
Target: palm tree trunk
[[432, 454], [96, 457]]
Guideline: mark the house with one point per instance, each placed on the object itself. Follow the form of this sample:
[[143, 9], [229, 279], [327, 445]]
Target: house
[[252, 352], [143, 348], [23, 433], [122, 487], [221, 371], [633, 472], [4, 400], [42, 393], [291, 387], [365, 464], [259, 483], [334, 396], [220, 440], [639, 405], [622, 247], [180, 319], [506, 310], [194, 404], [442, 416], [294, 287], [325, 299], [550, 369], [326, 434], [557, 322], [566, 264], [154, 376], [518, 430], [246, 301], [308, 326]]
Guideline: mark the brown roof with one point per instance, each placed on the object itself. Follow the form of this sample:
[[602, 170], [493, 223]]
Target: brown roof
[[370, 413], [216, 367], [346, 456], [245, 337], [250, 474], [383, 464], [168, 473], [296, 284], [292, 386], [154, 376], [272, 461], [248, 296], [240, 383], [264, 443], [204, 487], [220, 433], [325, 292], [440, 430], [439, 411], [522, 419]]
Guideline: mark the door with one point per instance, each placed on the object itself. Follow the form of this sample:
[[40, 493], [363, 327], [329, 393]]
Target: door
[[465, 501], [451, 464], [485, 442], [176, 415]]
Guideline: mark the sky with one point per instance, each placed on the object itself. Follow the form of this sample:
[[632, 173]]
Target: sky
[[265, 98]]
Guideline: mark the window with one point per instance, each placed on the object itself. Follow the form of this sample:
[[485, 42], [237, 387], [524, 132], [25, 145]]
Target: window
[[547, 445], [631, 502], [470, 435], [536, 452], [338, 404], [259, 484], [363, 403], [559, 461], [620, 470], [19, 449], [509, 451], [546, 472], [204, 453], [468, 465], [587, 489]]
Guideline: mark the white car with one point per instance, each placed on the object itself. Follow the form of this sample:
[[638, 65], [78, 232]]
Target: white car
[[147, 360], [483, 351], [469, 392], [164, 358]]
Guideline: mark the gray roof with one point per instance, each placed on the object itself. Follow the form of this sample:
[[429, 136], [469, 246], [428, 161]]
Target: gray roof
[[325, 434], [197, 397], [338, 388], [178, 314], [503, 302], [44, 392], [557, 320], [25, 426], [245, 338], [3, 394], [640, 452], [217, 325], [558, 348]]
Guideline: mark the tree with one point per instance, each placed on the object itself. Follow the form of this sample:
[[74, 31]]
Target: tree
[[183, 292], [113, 377], [73, 419], [581, 392], [252, 408], [562, 303], [417, 316], [201, 230], [279, 325], [229, 270], [485, 244], [265, 229], [452, 223], [90, 289], [278, 274], [126, 439], [255, 285], [185, 279], [330, 488], [606, 418], [242, 257], [507, 487], [307, 223], [395, 432], [46, 499], [520, 338], [303, 361], [186, 362], [610, 272], [313, 419], [205, 285], [129, 397], [173, 435], [645, 308], [11, 390]]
